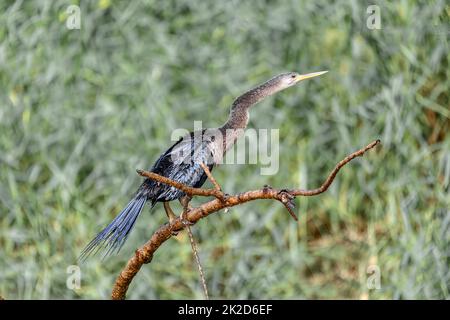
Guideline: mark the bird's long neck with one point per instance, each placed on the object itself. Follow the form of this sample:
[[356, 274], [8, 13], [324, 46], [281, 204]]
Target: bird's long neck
[[239, 116]]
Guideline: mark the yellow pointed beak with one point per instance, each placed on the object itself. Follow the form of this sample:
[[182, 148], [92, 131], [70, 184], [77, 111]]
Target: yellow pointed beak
[[310, 75]]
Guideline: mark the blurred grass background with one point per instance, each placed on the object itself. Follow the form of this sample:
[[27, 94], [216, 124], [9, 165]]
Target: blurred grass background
[[82, 109]]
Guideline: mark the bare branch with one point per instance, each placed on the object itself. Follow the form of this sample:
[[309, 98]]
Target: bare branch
[[186, 189], [210, 177], [163, 233], [332, 175]]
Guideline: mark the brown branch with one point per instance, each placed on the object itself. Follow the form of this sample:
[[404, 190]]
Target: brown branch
[[163, 233], [332, 175], [186, 189], [210, 176]]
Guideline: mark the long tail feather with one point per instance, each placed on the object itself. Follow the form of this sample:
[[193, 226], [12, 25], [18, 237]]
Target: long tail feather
[[112, 238]]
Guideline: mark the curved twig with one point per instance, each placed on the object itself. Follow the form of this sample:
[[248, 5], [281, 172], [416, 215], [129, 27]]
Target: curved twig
[[210, 177], [144, 254]]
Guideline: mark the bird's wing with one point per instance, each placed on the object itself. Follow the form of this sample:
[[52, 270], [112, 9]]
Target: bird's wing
[[181, 163]]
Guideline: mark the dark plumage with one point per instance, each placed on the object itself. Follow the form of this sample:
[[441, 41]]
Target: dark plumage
[[181, 162]]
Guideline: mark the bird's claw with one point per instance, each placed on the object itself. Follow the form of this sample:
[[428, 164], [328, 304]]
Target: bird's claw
[[185, 221], [174, 233]]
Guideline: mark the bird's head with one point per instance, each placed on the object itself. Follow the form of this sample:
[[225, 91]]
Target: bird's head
[[286, 80], [274, 85]]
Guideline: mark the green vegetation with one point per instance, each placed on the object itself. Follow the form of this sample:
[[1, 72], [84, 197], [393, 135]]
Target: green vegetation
[[82, 109]]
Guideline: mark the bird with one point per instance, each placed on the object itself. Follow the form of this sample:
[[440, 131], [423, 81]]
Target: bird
[[182, 162]]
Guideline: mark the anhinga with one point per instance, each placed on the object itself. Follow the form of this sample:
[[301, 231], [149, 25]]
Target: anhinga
[[182, 163]]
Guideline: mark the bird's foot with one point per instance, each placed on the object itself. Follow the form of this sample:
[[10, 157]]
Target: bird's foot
[[184, 201], [184, 220], [172, 217], [186, 208], [174, 232]]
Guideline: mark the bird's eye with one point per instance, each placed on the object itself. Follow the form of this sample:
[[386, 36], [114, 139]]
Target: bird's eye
[[293, 76]]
